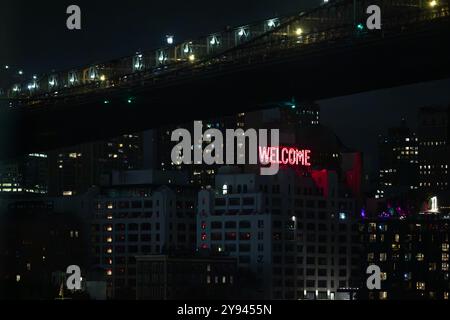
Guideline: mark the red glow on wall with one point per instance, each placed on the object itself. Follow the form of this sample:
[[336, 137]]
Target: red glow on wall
[[284, 155], [320, 178], [353, 175]]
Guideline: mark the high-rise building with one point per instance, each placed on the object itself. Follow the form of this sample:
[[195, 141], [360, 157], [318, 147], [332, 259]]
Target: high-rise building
[[74, 170], [434, 148], [26, 175], [142, 213], [399, 161], [296, 234], [158, 147]]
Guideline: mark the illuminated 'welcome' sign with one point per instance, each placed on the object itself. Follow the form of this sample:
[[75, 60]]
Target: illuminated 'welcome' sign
[[285, 155]]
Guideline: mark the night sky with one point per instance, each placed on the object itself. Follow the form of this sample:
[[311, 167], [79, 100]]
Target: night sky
[[34, 37]]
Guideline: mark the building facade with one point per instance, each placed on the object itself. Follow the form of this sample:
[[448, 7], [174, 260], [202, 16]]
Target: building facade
[[434, 148], [165, 277], [140, 216], [296, 235], [399, 162]]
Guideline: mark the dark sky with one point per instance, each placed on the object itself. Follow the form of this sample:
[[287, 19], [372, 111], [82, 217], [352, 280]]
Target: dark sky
[[34, 37]]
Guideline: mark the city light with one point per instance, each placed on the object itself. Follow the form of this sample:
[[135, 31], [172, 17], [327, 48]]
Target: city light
[[192, 58], [102, 77], [360, 26], [272, 23], [169, 39], [242, 32], [299, 31], [20, 72], [6, 67], [433, 3], [434, 204]]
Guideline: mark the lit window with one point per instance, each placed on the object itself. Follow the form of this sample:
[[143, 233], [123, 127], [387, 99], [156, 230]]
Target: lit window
[[383, 256], [383, 295], [225, 189], [419, 257], [420, 285]]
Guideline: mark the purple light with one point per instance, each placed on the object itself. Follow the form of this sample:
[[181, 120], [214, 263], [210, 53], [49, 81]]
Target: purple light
[[363, 213]]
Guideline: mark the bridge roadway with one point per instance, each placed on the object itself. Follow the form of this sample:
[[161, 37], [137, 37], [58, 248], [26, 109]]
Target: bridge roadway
[[329, 69]]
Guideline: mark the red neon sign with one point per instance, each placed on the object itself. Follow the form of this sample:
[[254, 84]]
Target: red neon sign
[[285, 155]]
